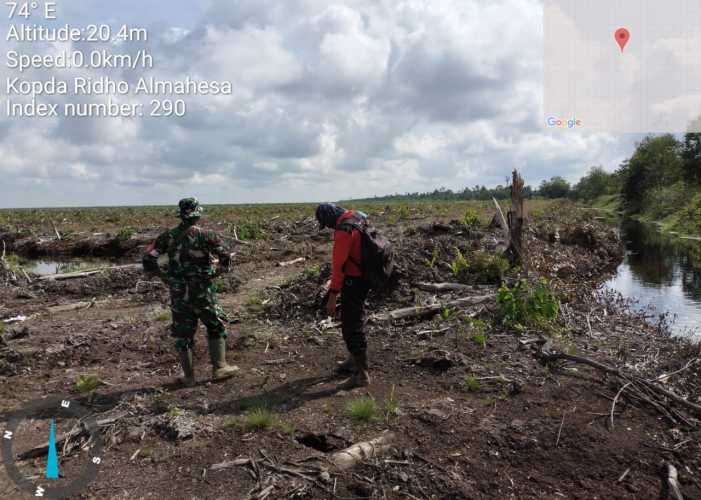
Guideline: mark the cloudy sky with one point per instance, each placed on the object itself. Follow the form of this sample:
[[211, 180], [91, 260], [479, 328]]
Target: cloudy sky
[[332, 100]]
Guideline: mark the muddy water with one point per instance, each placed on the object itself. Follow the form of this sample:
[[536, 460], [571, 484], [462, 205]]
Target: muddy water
[[661, 273], [45, 267]]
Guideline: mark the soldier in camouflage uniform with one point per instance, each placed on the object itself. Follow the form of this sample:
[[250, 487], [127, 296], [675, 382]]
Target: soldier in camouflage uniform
[[191, 252]]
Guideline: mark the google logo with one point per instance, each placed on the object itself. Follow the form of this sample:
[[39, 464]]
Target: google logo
[[560, 123]]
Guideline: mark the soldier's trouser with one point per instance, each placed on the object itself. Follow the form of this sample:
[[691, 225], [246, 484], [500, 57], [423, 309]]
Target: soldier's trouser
[[190, 303], [353, 317]]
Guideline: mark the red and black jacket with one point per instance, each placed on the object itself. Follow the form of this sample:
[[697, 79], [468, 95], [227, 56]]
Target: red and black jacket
[[347, 253]]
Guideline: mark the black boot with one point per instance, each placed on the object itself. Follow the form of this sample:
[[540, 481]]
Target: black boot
[[347, 367], [361, 378]]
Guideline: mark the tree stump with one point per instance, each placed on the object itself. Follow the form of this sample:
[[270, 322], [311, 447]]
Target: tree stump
[[515, 219]]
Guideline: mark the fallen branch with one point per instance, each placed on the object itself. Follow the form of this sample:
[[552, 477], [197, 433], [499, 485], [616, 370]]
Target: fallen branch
[[670, 482], [650, 386], [615, 400], [684, 368], [502, 219], [438, 331], [71, 307], [354, 455], [423, 311], [291, 262], [443, 287], [75, 433], [58, 235], [233, 463], [83, 274]]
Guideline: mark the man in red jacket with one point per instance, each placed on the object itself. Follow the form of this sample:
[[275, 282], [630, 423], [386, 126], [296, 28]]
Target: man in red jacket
[[347, 279]]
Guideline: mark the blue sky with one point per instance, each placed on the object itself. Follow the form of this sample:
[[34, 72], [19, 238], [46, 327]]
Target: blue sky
[[332, 100]]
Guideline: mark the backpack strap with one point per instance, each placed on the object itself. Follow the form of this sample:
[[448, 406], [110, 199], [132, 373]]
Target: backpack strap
[[348, 226]]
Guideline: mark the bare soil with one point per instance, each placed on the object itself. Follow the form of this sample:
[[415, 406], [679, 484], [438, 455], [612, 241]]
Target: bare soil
[[518, 429]]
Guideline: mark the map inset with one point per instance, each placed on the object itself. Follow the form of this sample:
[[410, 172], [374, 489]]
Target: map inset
[[623, 65]]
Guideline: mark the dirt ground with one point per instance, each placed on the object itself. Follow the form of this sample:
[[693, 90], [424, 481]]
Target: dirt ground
[[474, 414]]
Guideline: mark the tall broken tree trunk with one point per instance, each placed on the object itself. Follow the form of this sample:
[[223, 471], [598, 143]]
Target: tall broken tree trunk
[[516, 219]]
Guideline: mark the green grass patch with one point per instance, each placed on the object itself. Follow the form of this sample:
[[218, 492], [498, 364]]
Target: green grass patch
[[219, 285], [259, 418], [163, 315], [254, 303], [125, 234], [431, 263], [312, 273], [471, 384], [480, 339], [391, 408], [174, 411], [87, 383], [364, 409], [536, 214]]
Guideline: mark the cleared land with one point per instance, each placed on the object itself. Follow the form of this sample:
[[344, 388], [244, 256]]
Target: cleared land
[[472, 392]]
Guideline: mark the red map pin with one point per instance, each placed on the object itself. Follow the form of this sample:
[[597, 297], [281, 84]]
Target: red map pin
[[622, 37]]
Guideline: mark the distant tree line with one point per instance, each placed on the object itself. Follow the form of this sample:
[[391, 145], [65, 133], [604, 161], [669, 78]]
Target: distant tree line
[[658, 177], [592, 185], [444, 194]]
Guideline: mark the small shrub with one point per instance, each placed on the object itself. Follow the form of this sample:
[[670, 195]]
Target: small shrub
[[174, 411], [254, 302], [471, 219], [231, 423], [162, 316], [434, 258], [251, 231], [537, 214], [86, 383], [391, 404], [219, 285], [159, 404], [446, 313], [480, 339], [363, 409], [528, 304], [125, 234], [460, 265], [2, 328], [312, 273], [488, 268], [471, 384], [286, 428]]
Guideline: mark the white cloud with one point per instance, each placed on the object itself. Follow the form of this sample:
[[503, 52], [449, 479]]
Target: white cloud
[[330, 101]]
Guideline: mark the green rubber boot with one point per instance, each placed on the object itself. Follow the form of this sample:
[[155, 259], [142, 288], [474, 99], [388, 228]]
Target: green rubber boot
[[217, 353], [188, 378]]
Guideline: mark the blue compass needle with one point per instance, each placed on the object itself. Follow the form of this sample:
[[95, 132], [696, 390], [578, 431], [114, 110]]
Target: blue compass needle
[[52, 461]]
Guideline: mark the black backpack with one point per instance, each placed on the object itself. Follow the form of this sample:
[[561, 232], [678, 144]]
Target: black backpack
[[377, 252]]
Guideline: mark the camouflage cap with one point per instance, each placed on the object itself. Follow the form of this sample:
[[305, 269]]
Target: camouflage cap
[[189, 208]]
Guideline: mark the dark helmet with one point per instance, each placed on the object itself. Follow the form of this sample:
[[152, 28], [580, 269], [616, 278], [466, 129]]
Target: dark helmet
[[327, 214], [189, 209]]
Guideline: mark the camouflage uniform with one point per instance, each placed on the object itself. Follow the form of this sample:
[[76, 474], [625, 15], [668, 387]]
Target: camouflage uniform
[[190, 274], [191, 252]]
